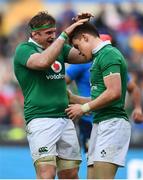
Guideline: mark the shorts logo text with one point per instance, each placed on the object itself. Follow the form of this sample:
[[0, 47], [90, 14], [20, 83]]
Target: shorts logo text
[[43, 150]]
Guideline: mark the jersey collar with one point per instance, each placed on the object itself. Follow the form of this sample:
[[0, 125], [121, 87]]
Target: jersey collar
[[100, 46], [34, 42]]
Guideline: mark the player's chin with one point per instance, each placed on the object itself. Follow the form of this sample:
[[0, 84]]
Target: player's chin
[[84, 55], [87, 57]]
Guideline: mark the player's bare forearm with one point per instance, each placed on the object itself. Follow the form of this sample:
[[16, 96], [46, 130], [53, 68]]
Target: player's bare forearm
[[104, 99], [76, 58], [75, 99], [112, 92], [47, 57], [136, 97], [77, 110], [135, 93], [79, 99], [53, 51], [137, 113]]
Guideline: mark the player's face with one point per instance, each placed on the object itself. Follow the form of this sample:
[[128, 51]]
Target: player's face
[[83, 46], [46, 37]]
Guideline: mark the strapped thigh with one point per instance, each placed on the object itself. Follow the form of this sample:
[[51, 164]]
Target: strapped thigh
[[49, 160], [63, 164]]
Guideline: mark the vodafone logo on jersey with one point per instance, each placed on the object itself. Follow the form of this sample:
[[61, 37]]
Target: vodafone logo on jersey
[[56, 67]]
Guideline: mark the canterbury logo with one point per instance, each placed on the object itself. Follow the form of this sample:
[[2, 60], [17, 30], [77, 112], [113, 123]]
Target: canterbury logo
[[43, 149]]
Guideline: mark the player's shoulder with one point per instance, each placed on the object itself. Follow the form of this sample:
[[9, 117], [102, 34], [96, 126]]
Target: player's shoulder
[[22, 49], [24, 45], [111, 54]]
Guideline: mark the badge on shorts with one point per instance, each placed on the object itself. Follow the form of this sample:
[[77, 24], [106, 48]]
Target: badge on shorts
[[43, 150], [103, 153]]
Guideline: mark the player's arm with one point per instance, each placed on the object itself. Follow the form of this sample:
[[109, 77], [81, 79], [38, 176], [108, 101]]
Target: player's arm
[[67, 79], [112, 93], [135, 93], [47, 57], [75, 99], [75, 57]]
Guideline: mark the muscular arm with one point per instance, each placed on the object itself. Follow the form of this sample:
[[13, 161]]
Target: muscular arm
[[75, 99], [112, 92], [44, 60], [134, 91], [75, 57], [67, 79]]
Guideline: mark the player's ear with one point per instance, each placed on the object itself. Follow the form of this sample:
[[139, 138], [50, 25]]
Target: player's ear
[[85, 36], [35, 33]]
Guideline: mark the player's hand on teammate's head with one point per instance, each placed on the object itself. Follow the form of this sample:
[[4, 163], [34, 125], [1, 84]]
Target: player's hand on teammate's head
[[69, 29], [82, 16]]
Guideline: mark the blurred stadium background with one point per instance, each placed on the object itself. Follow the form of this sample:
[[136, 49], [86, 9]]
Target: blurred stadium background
[[123, 19]]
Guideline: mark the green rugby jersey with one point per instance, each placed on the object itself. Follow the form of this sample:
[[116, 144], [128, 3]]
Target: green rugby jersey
[[108, 60], [44, 91]]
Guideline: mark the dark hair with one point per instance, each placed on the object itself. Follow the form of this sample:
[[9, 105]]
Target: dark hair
[[84, 28], [41, 19]]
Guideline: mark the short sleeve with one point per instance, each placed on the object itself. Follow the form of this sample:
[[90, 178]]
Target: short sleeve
[[23, 53], [110, 63]]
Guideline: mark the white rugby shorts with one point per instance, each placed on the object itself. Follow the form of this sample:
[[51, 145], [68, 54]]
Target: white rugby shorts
[[109, 141], [53, 137]]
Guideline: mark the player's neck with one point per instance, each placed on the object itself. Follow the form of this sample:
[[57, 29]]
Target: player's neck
[[99, 45]]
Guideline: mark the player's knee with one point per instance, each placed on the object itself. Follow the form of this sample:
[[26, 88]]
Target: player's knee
[[68, 174], [68, 168], [73, 173], [46, 167]]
